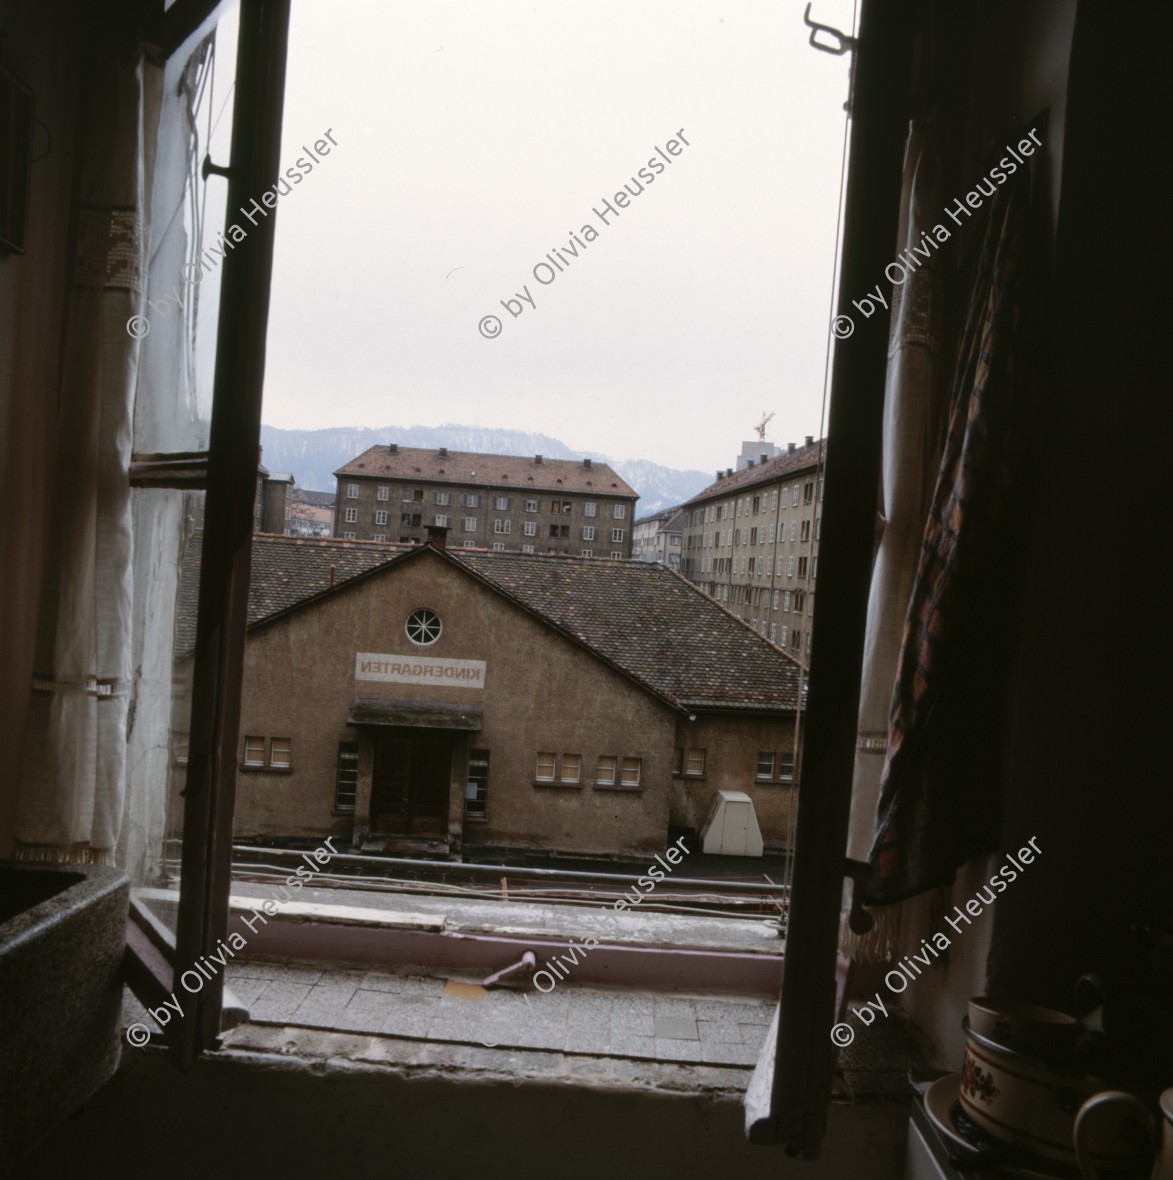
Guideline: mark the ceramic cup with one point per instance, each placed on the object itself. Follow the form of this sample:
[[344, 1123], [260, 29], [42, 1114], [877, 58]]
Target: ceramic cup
[[1125, 1108]]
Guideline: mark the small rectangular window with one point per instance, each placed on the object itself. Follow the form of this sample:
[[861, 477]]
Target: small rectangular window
[[470, 524], [352, 491], [696, 763], [605, 770], [279, 752], [501, 503], [786, 766], [616, 535], [254, 751], [530, 528], [469, 544], [472, 500], [407, 496], [572, 768], [502, 526], [588, 532], [379, 537], [765, 765], [531, 505], [527, 548], [590, 508], [545, 768], [380, 517], [351, 515], [630, 771], [441, 499], [588, 553], [476, 789], [441, 521], [346, 777], [616, 554], [619, 511], [383, 493], [498, 546], [348, 536]]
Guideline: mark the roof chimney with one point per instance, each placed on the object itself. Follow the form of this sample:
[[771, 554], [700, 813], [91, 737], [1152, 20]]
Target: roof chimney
[[790, 448], [537, 458], [764, 457], [587, 464], [728, 470], [720, 475], [443, 452], [438, 536], [749, 462], [810, 440], [393, 448]]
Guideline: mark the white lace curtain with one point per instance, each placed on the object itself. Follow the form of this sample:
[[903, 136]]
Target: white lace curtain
[[73, 764]]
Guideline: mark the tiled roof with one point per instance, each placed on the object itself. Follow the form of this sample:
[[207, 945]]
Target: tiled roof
[[669, 518], [467, 467], [285, 571], [316, 499], [641, 617], [779, 467], [653, 624]]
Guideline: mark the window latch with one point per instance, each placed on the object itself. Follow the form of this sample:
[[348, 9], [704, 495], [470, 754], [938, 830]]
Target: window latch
[[839, 44], [860, 921]]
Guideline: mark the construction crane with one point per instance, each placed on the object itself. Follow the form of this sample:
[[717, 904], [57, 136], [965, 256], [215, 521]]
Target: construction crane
[[761, 426]]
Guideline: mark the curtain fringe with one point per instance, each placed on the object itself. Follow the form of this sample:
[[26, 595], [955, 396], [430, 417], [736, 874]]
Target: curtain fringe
[[63, 854]]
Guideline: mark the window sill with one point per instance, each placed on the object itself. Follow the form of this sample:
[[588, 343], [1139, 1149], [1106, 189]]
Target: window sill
[[557, 785], [343, 811], [252, 768], [619, 787], [476, 819]]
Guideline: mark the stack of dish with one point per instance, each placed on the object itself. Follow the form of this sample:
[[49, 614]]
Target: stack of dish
[[1018, 1085]]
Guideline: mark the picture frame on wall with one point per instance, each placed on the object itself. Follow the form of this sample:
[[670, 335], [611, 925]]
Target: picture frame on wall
[[16, 147]]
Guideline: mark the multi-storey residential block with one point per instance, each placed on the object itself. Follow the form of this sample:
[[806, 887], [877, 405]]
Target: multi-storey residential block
[[751, 541], [501, 502], [659, 537]]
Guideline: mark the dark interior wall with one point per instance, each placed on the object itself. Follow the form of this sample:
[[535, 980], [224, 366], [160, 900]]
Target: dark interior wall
[[42, 46], [1084, 696]]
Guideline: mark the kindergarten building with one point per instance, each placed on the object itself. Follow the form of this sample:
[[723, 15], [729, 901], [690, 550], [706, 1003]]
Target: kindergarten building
[[428, 701]]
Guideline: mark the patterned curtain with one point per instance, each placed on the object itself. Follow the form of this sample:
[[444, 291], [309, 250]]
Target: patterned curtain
[[938, 792]]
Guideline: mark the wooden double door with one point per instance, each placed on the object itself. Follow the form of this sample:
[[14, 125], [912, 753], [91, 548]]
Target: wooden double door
[[410, 784]]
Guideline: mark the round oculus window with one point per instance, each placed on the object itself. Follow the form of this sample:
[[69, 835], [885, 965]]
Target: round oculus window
[[423, 626]]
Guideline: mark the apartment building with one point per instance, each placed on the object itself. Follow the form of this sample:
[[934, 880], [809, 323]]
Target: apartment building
[[659, 537], [751, 541], [495, 502]]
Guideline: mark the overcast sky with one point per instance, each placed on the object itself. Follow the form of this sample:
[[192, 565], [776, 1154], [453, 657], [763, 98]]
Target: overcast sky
[[476, 137]]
